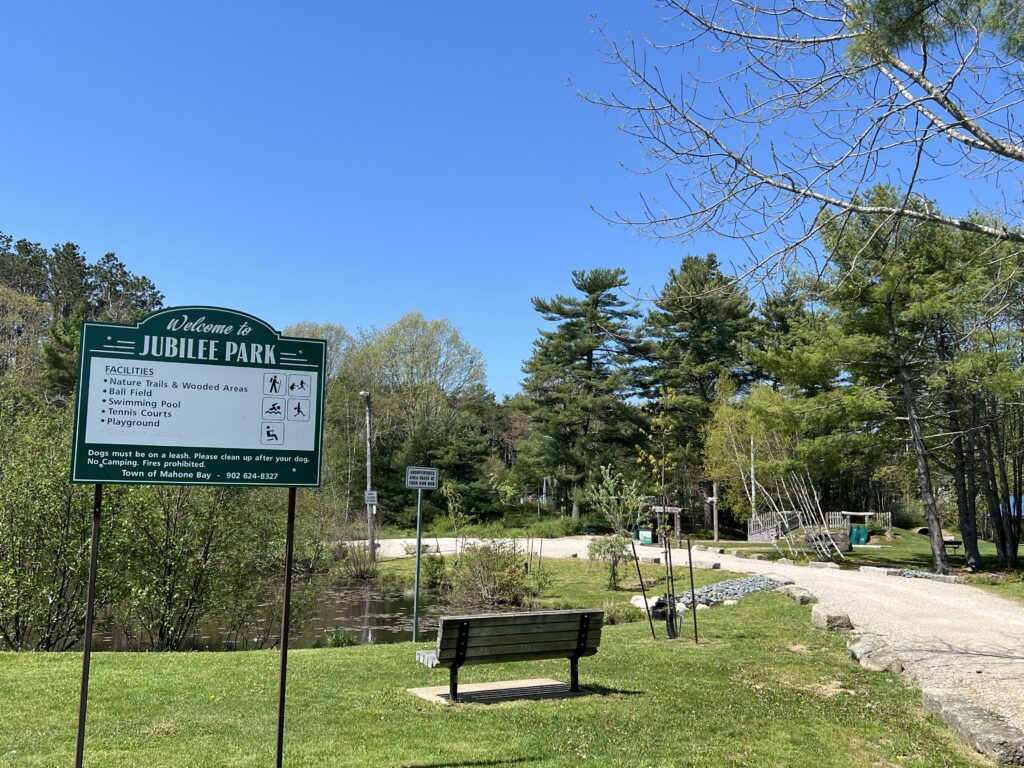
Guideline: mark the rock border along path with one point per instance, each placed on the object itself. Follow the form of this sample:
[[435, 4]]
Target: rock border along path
[[953, 640]]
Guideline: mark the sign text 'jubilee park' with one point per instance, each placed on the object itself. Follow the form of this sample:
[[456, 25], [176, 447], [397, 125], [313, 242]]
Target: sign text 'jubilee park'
[[198, 396]]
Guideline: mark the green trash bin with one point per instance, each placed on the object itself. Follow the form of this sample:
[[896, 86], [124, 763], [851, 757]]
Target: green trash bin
[[858, 534]]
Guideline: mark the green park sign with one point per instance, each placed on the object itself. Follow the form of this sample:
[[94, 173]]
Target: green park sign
[[198, 396]]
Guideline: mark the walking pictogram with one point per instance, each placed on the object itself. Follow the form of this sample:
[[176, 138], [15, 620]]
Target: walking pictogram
[[273, 434], [298, 410], [273, 384]]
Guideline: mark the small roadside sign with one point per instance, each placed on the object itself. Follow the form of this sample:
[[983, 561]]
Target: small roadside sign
[[421, 477], [369, 497]]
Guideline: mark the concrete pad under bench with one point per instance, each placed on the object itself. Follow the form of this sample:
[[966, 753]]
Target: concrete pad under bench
[[496, 693]]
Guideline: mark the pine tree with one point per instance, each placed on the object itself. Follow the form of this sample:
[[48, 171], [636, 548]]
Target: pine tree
[[696, 334], [579, 377]]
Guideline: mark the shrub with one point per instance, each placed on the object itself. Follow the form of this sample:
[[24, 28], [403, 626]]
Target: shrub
[[492, 573], [612, 550], [435, 572], [622, 613], [341, 638], [356, 567]]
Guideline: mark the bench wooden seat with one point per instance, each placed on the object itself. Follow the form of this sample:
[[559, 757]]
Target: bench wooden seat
[[947, 544], [493, 638]]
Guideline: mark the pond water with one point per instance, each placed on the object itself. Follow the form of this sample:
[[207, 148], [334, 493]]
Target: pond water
[[373, 614]]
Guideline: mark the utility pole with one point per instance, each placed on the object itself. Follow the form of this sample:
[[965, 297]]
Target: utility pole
[[714, 506], [370, 508]]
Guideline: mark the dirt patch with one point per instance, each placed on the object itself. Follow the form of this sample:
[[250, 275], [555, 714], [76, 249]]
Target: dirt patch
[[828, 690], [798, 648]]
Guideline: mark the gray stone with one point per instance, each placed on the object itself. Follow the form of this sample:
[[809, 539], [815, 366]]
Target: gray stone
[[941, 577], [715, 550], [730, 602], [654, 560], [784, 561], [778, 578], [817, 564], [799, 595], [707, 566], [652, 604], [880, 571], [983, 730], [701, 607], [872, 652], [865, 645], [758, 556], [883, 662], [823, 618]]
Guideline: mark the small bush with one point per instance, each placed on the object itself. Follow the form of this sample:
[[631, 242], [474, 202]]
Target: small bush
[[622, 613], [492, 573], [435, 572], [552, 528], [356, 567], [612, 550], [908, 518], [341, 638]]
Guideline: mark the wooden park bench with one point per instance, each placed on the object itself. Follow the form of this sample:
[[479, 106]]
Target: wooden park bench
[[493, 638], [953, 544]]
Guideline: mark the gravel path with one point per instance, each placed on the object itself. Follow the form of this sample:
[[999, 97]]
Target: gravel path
[[948, 636]]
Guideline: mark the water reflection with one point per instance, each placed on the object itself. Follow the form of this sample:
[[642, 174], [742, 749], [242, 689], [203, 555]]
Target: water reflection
[[373, 614]]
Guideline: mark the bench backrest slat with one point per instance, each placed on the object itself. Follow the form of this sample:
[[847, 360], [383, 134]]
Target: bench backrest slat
[[516, 636]]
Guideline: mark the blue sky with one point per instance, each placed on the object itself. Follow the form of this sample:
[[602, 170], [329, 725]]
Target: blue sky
[[328, 161], [343, 162]]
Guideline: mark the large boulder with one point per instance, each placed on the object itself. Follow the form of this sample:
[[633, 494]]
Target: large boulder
[[824, 618], [799, 595]]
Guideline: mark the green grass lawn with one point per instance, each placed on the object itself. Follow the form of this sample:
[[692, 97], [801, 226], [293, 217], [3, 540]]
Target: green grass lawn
[[764, 688], [913, 550], [582, 583]]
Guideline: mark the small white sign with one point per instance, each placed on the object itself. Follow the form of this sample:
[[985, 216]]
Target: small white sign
[[369, 497], [421, 477]]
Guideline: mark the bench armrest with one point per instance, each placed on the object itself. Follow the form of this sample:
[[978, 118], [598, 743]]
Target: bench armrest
[[427, 658]]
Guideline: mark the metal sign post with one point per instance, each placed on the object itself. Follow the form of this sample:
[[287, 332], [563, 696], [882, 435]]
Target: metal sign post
[[419, 553], [285, 624], [420, 478], [90, 610], [196, 396]]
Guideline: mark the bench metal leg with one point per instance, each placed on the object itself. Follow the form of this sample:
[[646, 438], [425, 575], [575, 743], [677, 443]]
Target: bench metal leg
[[574, 674], [453, 684]]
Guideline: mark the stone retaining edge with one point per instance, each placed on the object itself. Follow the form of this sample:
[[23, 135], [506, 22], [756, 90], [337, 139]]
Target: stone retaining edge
[[983, 730]]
